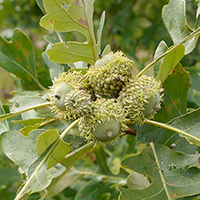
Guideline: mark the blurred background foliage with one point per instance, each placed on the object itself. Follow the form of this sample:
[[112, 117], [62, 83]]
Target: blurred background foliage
[[135, 27]]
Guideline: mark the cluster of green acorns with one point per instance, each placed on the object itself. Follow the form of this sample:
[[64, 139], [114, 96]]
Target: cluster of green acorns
[[107, 98]]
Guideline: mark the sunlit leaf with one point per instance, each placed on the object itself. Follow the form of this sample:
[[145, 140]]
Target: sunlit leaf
[[20, 149], [174, 17], [29, 125], [169, 63], [72, 16], [58, 154], [45, 140], [68, 162]]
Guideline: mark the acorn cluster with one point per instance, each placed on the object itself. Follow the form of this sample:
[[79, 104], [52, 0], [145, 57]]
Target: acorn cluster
[[107, 98]]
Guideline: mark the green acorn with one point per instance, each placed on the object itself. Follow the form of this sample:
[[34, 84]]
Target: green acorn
[[62, 85], [141, 98], [78, 104], [109, 73], [106, 124]]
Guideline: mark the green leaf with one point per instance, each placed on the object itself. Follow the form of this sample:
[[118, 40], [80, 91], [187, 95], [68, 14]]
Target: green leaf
[[169, 63], [95, 189], [20, 149], [4, 126], [68, 163], [62, 182], [167, 169], [75, 141], [9, 115], [58, 154], [99, 31], [29, 125], [72, 16], [174, 17], [176, 88], [54, 68], [101, 160], [18, 58], [189, 123], [137, 181], [194, 92], [40, 4], [106, 50], [24, 102], [45, 140], [161, 49], [173, 48], [37, 179]]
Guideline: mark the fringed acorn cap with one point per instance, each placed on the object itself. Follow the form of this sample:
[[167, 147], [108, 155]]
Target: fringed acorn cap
[[141, 98], [62, 85], [78, 103], [109, 73], [106, 124]]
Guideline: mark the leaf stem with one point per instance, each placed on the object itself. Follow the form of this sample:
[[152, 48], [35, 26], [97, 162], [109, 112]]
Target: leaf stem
[[9, 115], [183, 133], [69, 128], [91, 144], [101, 175], [59, 36], [147, 121], [20, 194], [193, 34], [161, 175]]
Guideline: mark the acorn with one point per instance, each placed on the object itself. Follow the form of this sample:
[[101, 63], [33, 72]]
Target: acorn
[[141, 98], [152, 105], [106, 124], [109, 73], [62, 85], [78, 103]]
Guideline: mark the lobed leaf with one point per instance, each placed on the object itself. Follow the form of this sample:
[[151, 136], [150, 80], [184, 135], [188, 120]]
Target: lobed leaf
[[68, 163], [174, 17], [23, 104], [18, 58], [167, 170], [67, 16], [20, 149]]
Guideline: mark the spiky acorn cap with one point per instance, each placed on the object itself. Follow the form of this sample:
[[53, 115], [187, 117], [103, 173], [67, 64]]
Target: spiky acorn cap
[[62, 85], [107, 123], [78, 104], [109, 73], [141, 98]]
